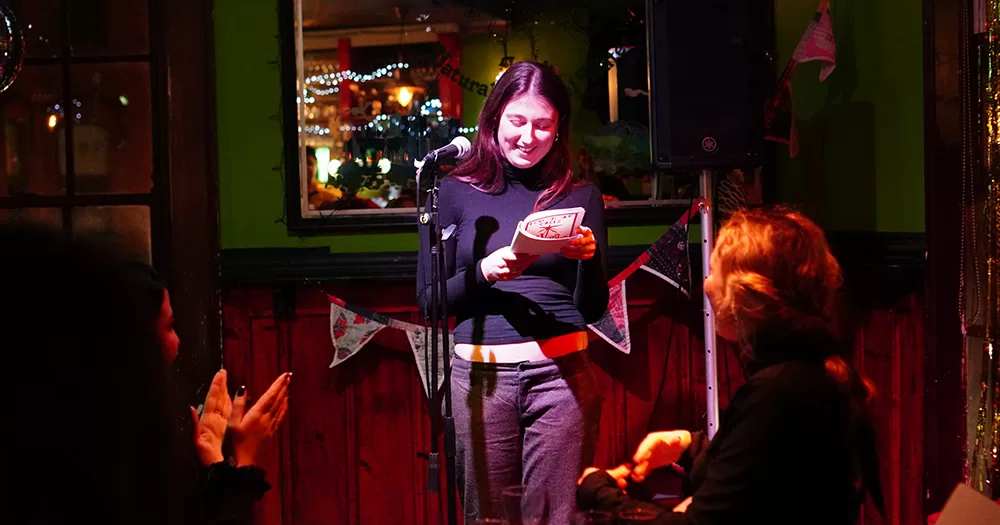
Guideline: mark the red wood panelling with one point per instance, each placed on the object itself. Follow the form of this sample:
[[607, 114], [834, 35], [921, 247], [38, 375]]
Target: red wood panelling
[[354, 448]]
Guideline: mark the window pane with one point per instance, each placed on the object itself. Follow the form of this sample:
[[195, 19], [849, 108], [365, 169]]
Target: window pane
[[108, 27], [113, 144], [125, 227], [39, 21], [30, 133], [44, 216]]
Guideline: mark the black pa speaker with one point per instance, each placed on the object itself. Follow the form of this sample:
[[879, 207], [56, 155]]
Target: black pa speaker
[[710, 69]]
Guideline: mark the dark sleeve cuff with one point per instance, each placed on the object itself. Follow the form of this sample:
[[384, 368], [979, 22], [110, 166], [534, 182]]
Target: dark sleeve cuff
[[477, 270], [699, 442], [600, 491], [222, 480]]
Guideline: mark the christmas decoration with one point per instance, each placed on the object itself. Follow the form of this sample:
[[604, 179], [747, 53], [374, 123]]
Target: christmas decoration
[[817, 44], [985, 471], [11, 48]]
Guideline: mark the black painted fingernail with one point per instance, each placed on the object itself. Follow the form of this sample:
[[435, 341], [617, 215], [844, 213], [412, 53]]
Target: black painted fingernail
[[241, 391]]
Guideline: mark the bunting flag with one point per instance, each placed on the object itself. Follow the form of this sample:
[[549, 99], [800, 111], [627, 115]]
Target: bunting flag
[[350, 332], [420, 343], [613, 327], [816, 44], [667, 259], [352, 326]]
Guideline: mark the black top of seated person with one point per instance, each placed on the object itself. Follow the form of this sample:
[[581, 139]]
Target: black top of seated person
[[794, 446]]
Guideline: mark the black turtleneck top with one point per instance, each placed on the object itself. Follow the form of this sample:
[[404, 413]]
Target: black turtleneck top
[[794, 446], [554, 296]]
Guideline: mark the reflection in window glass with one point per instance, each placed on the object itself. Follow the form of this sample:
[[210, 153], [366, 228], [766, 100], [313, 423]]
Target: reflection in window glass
[[39, 21], [372, 100], [113, 146], [50, 217], [32, 120], [124, 227], [366, 123]]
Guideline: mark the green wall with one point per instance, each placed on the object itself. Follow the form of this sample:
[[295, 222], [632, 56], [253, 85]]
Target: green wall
[[861, 154], [555, 43], [248, 95], [860, 164], [250, 142]]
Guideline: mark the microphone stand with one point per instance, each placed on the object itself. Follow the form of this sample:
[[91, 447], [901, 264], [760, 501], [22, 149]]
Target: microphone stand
[[439, 343]]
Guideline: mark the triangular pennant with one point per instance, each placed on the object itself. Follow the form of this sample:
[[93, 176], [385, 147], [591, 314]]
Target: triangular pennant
[[818, 42], [350, 332], [668, 260], [369, 314], [613, 327], [420, 344]]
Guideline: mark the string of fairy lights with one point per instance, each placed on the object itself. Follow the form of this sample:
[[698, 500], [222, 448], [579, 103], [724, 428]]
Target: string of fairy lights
[[333, 80], [431, 108], [384, 122], [324, 84]]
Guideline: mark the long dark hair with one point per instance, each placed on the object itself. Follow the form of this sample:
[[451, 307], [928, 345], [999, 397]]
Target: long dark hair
[[483, 168], [101, 440]]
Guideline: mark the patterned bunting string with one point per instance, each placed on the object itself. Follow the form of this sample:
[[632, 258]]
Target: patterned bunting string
[[667, 259], [420, 345], [352, 326], [350, 332]]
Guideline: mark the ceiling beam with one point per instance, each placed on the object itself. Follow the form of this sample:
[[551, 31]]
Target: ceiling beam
[[325, 39]]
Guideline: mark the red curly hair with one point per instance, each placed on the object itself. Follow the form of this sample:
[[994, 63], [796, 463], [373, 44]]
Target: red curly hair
[[772, 270]]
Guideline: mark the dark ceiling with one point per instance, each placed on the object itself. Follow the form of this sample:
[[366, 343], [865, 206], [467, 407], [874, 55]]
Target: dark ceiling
[[330, 14]]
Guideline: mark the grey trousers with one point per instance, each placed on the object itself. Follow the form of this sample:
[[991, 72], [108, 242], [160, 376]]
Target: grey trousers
[[532, 424]]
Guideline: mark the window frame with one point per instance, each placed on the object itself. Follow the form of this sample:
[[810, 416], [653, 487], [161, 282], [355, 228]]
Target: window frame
[[70, 200], [637, 214]]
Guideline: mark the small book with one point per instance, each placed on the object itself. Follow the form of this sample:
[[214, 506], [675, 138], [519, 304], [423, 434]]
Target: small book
[[547, 231]]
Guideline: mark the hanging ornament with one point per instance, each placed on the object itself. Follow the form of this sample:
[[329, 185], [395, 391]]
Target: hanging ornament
[[985, 457], [11, 48]]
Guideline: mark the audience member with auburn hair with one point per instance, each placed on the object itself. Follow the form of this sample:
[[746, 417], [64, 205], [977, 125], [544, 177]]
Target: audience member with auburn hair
[[796, 444]]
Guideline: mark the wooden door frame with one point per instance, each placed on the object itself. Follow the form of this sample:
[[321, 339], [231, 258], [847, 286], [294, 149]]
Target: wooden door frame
[[186, 188], [945, 435]]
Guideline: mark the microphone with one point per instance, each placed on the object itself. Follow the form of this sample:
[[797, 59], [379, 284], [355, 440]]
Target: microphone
[[459, 148]]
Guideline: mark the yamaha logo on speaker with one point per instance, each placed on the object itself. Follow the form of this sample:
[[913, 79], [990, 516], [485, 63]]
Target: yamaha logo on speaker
[[708, 144]]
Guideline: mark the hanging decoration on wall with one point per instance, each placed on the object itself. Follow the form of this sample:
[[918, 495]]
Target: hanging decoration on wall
[[816, 44], [985, 475], [667, 258], [419, 339], [11, 48], [352, 326], [613, 327], [350, 331]]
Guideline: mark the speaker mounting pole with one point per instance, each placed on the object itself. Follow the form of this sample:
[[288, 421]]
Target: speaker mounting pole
[[707, 242]]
